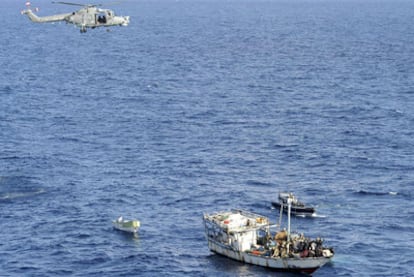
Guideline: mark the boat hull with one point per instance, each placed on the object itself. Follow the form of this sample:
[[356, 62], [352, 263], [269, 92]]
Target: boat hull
[[128, 230], [303, 265], [305, 211], [126, 226]]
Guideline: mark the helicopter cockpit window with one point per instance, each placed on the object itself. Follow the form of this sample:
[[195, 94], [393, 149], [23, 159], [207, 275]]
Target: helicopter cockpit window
[[101, 18]]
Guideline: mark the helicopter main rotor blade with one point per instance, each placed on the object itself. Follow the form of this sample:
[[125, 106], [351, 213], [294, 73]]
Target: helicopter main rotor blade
[[87, 5], [67, 3], [112, 3]]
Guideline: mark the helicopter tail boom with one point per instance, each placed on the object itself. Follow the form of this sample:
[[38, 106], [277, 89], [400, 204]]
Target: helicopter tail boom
[[52, 18]]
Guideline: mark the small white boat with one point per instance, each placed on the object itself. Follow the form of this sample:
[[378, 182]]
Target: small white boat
[[246, 237], [130, 226], [297, 208]]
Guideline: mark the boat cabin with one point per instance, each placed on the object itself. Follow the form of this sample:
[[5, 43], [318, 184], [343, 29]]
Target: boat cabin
[[237, 229]]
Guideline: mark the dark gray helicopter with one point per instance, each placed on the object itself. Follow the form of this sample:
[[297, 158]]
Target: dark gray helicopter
[[90, 16]]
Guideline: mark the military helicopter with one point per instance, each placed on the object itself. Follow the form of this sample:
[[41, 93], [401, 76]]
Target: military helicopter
[[90, 16]]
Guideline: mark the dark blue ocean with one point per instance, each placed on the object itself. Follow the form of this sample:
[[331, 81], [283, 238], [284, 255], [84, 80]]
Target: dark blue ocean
[[199, 106]]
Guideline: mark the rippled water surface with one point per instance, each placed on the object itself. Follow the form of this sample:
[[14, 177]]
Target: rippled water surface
[[200, 106]]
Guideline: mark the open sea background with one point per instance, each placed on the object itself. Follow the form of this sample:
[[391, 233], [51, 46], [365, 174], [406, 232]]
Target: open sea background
[[200, 106]]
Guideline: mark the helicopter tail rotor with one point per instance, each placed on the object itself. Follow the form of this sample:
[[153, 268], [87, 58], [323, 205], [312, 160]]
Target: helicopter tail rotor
[[29, 7]]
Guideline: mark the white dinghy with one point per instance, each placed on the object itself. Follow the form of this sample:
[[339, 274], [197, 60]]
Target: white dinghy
[[130, 226]]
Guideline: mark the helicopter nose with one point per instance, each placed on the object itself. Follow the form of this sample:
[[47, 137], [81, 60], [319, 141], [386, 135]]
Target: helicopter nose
[[126, 21]]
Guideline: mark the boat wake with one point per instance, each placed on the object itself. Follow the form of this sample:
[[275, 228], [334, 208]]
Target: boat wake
[[365, 192], [318, 215], [314, 215], [16, 195], [17, 187], [379, 193]]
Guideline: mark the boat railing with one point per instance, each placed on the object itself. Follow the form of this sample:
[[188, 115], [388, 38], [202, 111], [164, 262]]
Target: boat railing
[[218, 221], [251, 215]]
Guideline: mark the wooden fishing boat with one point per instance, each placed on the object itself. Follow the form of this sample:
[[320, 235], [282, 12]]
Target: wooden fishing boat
[[245, 236]]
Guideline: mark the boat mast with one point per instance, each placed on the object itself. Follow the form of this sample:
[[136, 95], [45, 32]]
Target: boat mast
[[289, 202], [280, 216]]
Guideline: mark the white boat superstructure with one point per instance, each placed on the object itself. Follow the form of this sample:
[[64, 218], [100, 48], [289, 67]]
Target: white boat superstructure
[[245, 236]]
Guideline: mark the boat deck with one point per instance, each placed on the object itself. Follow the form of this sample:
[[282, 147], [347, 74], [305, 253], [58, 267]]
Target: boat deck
[[237, 220]]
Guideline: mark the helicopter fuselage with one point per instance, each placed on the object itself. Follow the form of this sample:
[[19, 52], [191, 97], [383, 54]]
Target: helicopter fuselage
[[88, 17], [93, 17]]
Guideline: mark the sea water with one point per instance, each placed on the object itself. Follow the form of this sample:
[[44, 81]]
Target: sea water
[[199, 106]]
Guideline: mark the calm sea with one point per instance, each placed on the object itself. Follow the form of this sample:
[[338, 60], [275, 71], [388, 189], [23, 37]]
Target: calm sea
[[200, 106]]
